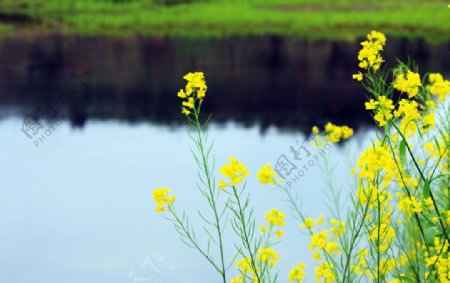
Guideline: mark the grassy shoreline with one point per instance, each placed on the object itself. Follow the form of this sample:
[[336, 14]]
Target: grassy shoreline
[[306, 19]]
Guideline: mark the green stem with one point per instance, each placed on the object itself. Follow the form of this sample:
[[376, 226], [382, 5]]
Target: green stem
[[352, 243], [426, 182], [210, 190], [246, 239], [190, 238], [416, 216]]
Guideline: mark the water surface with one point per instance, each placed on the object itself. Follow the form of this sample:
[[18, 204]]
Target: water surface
[[78, 208]]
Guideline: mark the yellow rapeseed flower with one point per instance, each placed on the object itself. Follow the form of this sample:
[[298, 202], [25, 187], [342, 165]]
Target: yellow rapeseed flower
[[324, 272], [195, 90], [382, 108], [245, 265], [439, 86], [428, 203], [263, 229], [408, 83], [428, 121], [337, 227], [320, 220], [382, 235], [409, 205], [185, 111], [316, 256], [196, 84], [297, 273], [333, 133], [182, 94], [332, 248], [275, 217], [358, 76], [377, 36], [162, 198], [318, 240], [222, 184], [369, 56], [268, 256], [189, 104], [235, 171], [308, 224], [408, 109], [279, 233], [266, 175], [375, 162]]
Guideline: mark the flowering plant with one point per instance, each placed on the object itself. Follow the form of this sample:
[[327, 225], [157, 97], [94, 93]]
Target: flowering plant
[[397, 225]]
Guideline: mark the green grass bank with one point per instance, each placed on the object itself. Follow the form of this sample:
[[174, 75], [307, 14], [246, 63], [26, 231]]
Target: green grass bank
[[307, 19]]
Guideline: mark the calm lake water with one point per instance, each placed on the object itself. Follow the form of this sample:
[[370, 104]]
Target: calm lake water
[[75, 198]]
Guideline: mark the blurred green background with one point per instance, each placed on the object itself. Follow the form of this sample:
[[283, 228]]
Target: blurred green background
[[307, 19]]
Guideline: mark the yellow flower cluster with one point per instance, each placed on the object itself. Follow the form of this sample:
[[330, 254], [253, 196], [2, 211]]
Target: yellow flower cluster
[[383, 234], [332, 133], [266, 175], [324, 273], [376, 162], [435, 151], [439, 86], [409, 110], [337, 227], [275, 217], [408, 83], [408, 205], [195, 90], [245, 267], [321, 242], [298, 273], [268, 256], [235, 171], [222, 184], [388, 166], [359, 76], [383, 109], [237, 279], [162, 198], [369, 56], [318, 240], [308, 223], [386, 265], [336, 133], [439, 261], [361, 267], [428, 122], [377, 170]]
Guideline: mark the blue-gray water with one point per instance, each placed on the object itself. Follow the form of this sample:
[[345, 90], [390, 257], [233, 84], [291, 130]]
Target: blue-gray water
[[78, 208]]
